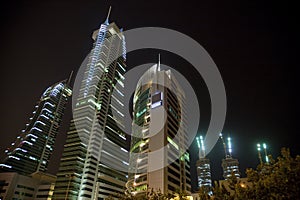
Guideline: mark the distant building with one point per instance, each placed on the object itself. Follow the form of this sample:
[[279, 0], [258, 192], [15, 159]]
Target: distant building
[[37, 186], [158, 113], [33, 147], [203, 167], [95, 152], [230, 167], [204, 174]]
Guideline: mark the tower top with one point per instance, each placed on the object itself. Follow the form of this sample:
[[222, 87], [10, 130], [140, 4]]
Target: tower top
[[70, 78], [158, 62], [108, 14]]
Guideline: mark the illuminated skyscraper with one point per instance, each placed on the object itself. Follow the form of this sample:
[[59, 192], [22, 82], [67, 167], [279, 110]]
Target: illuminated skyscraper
[[33, 147], [203, 167], [95, 148], [157, 140], [230, 165]]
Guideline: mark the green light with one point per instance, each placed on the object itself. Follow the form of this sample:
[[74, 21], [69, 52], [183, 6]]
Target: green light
[[172, 142], [198, 142], [264, 145], [138, 114]]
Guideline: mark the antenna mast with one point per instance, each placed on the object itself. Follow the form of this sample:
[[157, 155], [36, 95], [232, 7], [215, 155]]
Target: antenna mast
[[229, 146], [224, 145], [259, 153], [265, 150]]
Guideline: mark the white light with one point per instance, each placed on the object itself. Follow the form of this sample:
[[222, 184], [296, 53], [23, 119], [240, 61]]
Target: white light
[[136, 176], [156, 104], [267, 159], [142, 144], [14, 157], [32, 135], [4, 165]]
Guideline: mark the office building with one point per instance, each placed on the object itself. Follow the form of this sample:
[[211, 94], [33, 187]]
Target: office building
[[203, 167], [32, 149], [159, 158], [230, 165], [94, 162]]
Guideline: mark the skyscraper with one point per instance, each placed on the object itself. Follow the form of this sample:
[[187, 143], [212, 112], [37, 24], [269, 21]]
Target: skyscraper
[[94, 162], [203, 167], [33, 147], [157, 140], [230, 165]]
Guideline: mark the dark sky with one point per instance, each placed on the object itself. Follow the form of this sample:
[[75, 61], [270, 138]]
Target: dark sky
[[252, 42]]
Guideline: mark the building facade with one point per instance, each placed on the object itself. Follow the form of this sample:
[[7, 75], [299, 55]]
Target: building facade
[[94, 162], [37, 186], [33, 147], [159, 158], [203, 167], [230, 167], [204, 174]]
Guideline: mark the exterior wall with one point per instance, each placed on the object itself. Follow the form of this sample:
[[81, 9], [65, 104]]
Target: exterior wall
[[204, 174], [19, 187], [230, 166], [157, 117], [95, 144]]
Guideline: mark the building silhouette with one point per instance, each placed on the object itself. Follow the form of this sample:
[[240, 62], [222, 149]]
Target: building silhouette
[[157, 139], [32, 149], [94, 162]]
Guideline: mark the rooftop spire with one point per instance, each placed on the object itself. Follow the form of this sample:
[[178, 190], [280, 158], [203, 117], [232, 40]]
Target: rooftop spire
[[108, 14], [70, 77], [158, 66]]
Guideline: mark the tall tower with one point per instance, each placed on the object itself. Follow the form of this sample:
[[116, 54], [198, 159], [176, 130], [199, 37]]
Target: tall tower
[[95, 145], [33, 147], [158, 112], [230, 165], [203, 167], [265, 153]]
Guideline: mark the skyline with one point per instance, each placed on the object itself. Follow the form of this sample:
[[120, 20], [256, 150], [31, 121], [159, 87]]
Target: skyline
[[270, 88]]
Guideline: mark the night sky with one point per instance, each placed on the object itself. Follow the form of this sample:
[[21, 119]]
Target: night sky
[[253, 43]]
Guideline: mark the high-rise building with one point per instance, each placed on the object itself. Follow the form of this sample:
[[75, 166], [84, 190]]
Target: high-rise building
[[230, 165], [94, 162], [33, 147], [203, 167], [157, 139]]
